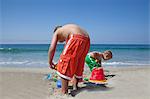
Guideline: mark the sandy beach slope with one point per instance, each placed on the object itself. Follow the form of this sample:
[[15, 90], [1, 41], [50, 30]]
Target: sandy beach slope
[[29, 83]]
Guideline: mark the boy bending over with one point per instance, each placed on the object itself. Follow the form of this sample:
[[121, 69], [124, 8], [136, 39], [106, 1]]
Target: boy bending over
[[93, 61], [71, 62]]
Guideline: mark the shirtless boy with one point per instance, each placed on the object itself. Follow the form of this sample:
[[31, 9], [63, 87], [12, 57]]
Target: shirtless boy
[[71, 62]]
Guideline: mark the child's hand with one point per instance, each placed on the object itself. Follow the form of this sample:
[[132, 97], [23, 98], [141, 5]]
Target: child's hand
[[97, 61], [53, 66]]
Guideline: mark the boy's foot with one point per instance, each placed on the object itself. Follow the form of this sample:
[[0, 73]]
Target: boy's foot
[[75, 87]]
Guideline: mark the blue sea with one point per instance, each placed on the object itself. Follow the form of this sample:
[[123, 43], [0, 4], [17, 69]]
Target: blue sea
[[36, 55]]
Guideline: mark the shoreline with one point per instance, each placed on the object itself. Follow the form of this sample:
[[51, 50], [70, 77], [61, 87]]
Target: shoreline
[[28, 83], [47, 69]]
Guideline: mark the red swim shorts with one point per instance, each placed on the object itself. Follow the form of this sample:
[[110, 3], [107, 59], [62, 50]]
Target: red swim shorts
[[72, 59]]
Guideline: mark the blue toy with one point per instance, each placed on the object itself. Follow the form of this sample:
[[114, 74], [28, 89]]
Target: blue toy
[[49, 76], [58, 83]]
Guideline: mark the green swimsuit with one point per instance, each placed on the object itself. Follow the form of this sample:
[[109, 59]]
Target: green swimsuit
[[91, 62]]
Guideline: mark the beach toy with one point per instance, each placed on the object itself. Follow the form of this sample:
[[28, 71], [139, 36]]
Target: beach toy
[[97, 75], [58, 83], [49, 76], [54, 79], [86, 79]]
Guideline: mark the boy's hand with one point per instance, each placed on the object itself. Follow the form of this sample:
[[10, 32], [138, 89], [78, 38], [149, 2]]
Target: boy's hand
[[97, 61], [53, 66]]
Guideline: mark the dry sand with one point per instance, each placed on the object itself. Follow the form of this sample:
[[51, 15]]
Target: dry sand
[[29, 83]]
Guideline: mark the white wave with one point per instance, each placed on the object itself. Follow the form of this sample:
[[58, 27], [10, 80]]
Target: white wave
[[13, 62], [6, 49], [45, 63], [1, 48], [124, 63], [9, 48], [39, 63], [24, 63]]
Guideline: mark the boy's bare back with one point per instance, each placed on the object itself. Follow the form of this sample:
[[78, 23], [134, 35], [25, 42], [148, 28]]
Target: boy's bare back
[[68, 29]]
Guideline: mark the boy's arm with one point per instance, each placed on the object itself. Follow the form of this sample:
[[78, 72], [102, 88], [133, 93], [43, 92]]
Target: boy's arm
[[52, 49], [98, 56]]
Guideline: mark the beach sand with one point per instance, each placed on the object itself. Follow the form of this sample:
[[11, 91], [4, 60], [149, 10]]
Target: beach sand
[[29, 83]]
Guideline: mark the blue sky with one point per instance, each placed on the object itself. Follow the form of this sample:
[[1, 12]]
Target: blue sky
[[107, 21]]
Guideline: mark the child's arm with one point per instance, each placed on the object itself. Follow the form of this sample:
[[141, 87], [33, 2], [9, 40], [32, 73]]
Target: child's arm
[[97, 56], [52, 49]]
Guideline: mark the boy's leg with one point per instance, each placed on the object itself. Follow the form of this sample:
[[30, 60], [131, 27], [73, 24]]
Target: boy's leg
[[64, 88], [75, 83]]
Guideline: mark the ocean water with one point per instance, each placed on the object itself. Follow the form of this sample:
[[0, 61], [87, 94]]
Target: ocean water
[[36, 55]]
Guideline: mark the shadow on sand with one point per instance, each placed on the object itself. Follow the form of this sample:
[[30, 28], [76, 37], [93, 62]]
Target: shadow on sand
[[90, 87]]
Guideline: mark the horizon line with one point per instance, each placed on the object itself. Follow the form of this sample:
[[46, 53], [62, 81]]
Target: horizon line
[[91, 43]]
